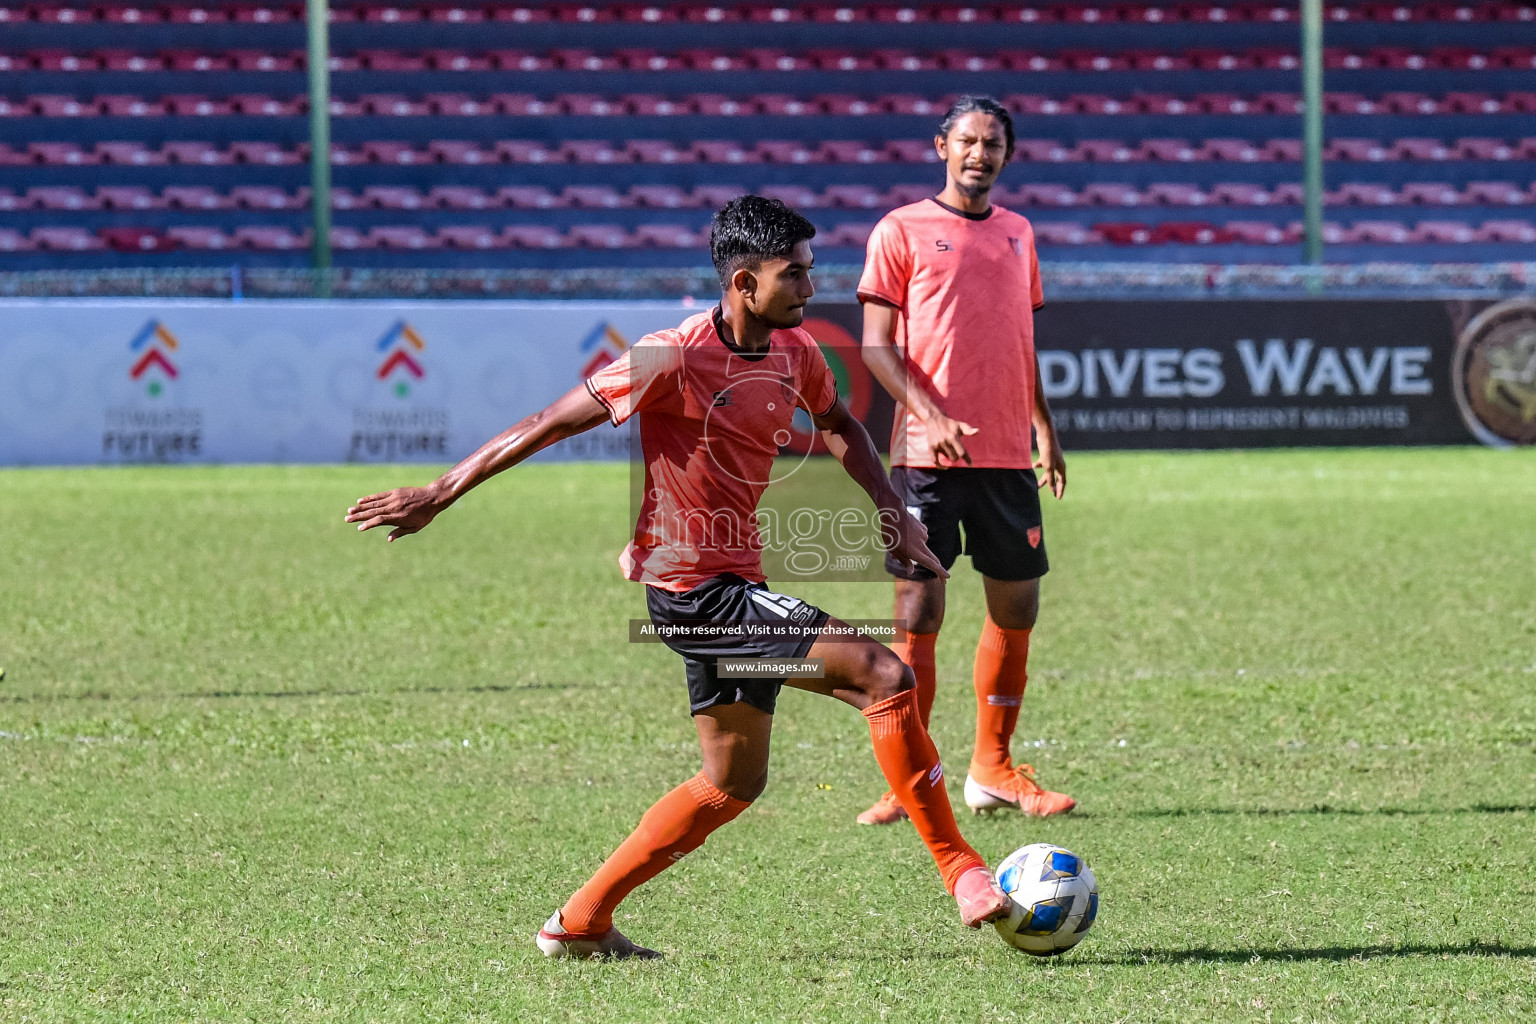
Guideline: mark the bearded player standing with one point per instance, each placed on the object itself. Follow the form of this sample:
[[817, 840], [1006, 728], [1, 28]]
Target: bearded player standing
[[950, 287], [715, 397]]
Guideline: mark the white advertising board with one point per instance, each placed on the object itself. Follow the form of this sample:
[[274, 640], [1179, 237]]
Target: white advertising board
[[144, 381]]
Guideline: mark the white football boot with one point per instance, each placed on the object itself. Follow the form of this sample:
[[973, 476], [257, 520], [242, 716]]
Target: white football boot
[[554, 941]]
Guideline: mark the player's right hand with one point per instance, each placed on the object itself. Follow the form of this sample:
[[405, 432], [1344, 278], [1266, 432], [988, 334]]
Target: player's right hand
[[944, 438], [408, 509], [909, 545]]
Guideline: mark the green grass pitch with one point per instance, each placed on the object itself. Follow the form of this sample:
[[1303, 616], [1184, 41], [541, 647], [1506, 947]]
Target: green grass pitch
[[254, 766]]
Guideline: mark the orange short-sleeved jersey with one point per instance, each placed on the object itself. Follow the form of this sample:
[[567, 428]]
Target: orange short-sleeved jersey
[[967, 289], [712, 419]]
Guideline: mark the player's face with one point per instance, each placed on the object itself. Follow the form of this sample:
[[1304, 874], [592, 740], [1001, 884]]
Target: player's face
[[784, 287], [975, 152]]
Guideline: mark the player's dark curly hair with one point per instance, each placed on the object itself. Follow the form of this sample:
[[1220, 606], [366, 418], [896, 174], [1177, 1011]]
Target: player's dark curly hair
[[978, 105], [750, 229]]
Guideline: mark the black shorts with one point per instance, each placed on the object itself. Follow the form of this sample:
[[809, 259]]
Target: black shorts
[[786, 627], [999, 509]]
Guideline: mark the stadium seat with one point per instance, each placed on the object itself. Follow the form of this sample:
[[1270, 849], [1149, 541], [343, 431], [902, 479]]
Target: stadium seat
[[459, 197], [1429, 193], [1378, 232], [527, 197], [533, 236], [1495, 193], [1065, 233], [1240, 194], [1110, 194], [1124, 233], [14, 241], [403, 237], [1176, 194], [392, 105], [193, 197], [470, 236], [458, 152], [796, 196], [1520, 231], [129, 153], [347, 238], [195, 153], [1169, 150], [654, 151], [665, 236], [715, 196], [130, 106], [1453, 231], [128, 197], [399, 153], [1362, 194], [268, 153], [137, 240], [593, 197], [597, 236], [1045, 195], [1419, 149], [262, 236], [253, 105], [662, 197], [66, 239], [392, 197], [61, 197], [724, 151], [1256, 232], [1484, 149]]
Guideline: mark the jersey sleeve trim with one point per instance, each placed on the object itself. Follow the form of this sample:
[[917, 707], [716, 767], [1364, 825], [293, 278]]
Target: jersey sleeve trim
[[613, 415], [830, 405], [867, 294]]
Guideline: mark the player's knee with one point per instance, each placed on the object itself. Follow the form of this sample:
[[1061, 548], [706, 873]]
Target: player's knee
[[888, 676], [745, 790]]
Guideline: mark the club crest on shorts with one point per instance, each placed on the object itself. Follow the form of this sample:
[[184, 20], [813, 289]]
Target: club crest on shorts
[[1034, 536]]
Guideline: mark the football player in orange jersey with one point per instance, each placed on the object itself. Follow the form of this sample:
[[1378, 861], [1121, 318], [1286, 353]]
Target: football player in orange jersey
[[713, 397], [949, 288]]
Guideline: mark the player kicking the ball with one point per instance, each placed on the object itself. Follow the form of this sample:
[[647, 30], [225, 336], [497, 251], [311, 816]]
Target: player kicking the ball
[[949, 289], [715, 397]]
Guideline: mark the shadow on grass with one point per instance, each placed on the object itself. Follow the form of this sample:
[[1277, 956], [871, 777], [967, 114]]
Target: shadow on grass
[[1335, 953], [1281, 812]]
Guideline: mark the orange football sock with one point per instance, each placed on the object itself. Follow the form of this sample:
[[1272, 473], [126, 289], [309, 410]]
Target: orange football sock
[[1002, 657], [677, 824], [916, 649], [911, 765]]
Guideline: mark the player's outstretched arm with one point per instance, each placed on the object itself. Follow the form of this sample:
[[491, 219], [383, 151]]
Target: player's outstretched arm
[[849, 443], [1051, 463], [945, 436], [409, 509]]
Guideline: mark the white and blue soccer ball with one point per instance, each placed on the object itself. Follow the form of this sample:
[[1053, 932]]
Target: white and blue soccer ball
[[1055, 899]]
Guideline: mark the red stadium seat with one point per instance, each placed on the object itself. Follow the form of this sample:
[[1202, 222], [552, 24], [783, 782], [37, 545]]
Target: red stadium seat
[[459, 197], [521, 104], [130, 106], [264, 106], [911, 151], [137, 240], [650, 105], [62, 60], [127, 14], [195, 60], [388, 13], [1104, 151], [193, 197], [10, 201], [456, 14], [1356, 149], [1348, 103], [779, 105], [66, 239], [457, 104], [844, 105], [266, 197], [1284, 150], [346, 199], [853, 197], [258, 60], [841, 152], [903, 103], [1279, 102], [586, 105], [1125, 234], [1408, 103], [456, 60], [521, 14], [1189, 233], [1470, 103], [470, 236], [903, 195], [786, 152], [661, 197], [518, 60], [123, 60], [715, 105]]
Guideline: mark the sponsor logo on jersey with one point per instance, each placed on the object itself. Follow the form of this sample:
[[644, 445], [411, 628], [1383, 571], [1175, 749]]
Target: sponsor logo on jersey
[[723, 398], [943, 245]]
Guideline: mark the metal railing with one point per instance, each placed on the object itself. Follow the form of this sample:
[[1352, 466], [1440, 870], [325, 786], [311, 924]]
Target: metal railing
[[834, 283]]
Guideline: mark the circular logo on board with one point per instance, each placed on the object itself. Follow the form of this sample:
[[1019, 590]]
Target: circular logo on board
[[1493, 374]]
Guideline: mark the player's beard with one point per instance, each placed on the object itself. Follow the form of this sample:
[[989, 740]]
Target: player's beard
[[973, 191]]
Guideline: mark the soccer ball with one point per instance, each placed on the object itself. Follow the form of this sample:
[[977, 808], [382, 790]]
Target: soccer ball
[[1055, 899]]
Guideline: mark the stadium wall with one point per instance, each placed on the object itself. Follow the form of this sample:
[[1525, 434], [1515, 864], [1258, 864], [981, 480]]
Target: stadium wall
[[163, 381]]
